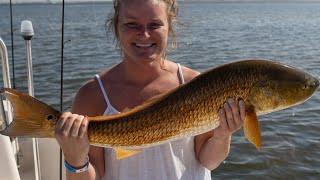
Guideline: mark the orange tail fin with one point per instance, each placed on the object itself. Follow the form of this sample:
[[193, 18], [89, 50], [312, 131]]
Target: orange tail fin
[[31, 117]]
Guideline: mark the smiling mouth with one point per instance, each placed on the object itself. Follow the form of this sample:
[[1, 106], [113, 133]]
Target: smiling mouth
[[143, 45]]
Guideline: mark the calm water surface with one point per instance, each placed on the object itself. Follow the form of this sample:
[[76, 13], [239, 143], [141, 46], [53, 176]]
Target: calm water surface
[[211, 34]]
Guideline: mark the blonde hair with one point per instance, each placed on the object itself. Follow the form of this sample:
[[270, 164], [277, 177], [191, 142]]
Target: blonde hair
[[172, 12]]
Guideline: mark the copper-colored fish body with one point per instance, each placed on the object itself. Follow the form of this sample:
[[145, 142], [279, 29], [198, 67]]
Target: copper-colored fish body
[[192, 108]]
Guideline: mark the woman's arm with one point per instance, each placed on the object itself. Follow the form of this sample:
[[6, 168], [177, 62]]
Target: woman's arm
[[71, 134], [213, 147]]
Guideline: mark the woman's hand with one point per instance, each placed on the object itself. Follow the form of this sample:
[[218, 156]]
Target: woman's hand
[[232, 118], [71, 134], [213, 147]]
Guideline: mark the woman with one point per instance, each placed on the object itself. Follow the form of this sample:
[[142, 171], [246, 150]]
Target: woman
[[142, 28]]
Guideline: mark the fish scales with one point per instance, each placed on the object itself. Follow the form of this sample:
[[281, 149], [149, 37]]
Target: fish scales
[[190, 111]]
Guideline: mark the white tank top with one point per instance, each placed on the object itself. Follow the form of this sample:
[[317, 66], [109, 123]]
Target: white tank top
[[170, 161]]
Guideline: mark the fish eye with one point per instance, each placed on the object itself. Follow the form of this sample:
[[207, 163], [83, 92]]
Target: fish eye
[[50, 117], [304, 87]]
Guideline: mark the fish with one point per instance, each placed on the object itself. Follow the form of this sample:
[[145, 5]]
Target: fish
[[191, 109]]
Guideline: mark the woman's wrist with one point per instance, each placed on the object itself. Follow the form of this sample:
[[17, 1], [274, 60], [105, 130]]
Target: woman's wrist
[[77, 169], [222, 139], [78, 163]]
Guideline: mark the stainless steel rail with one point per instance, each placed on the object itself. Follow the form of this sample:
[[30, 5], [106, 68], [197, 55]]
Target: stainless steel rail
[[7, 83], [27, 33], [9, 153]]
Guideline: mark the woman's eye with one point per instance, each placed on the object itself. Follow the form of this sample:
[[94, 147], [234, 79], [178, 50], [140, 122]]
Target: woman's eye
[[154, 25], [132, 25]]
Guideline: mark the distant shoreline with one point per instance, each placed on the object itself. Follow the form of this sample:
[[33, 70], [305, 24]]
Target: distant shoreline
[[55, 3], [181, 1]]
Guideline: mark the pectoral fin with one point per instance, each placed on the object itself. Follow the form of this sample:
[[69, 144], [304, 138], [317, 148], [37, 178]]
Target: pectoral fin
[[123, 153], [251, 127]]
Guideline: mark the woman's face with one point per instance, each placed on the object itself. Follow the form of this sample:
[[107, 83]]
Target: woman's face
[[143, 30]]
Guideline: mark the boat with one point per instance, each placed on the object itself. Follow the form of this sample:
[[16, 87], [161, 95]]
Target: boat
[[26, 158]]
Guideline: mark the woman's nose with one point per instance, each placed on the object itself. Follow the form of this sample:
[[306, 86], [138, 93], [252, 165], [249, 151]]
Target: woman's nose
[[144, 32]]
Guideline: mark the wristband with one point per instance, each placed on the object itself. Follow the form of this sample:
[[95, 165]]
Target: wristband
[[72, 169]]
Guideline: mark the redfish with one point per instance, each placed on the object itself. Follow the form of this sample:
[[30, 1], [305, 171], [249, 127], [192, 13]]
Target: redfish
[[188, 110]]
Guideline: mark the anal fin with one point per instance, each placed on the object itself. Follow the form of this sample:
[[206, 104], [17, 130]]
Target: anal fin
[[251, 127], [124, 153]]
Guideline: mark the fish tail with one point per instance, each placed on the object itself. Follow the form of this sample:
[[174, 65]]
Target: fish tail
[[31, 117]]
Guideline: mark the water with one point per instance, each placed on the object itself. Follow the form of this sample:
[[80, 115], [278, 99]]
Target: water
[[211, 34]]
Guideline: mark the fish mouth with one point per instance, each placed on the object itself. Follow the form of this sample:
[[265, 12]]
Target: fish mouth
[[317, 82], [313, 83]]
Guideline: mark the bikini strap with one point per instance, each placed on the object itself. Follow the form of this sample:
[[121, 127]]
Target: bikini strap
[[180, 74], [103, 90]]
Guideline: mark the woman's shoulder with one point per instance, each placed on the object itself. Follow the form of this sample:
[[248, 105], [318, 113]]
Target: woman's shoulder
[[85, 98], [189, 73], [89, 98]]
